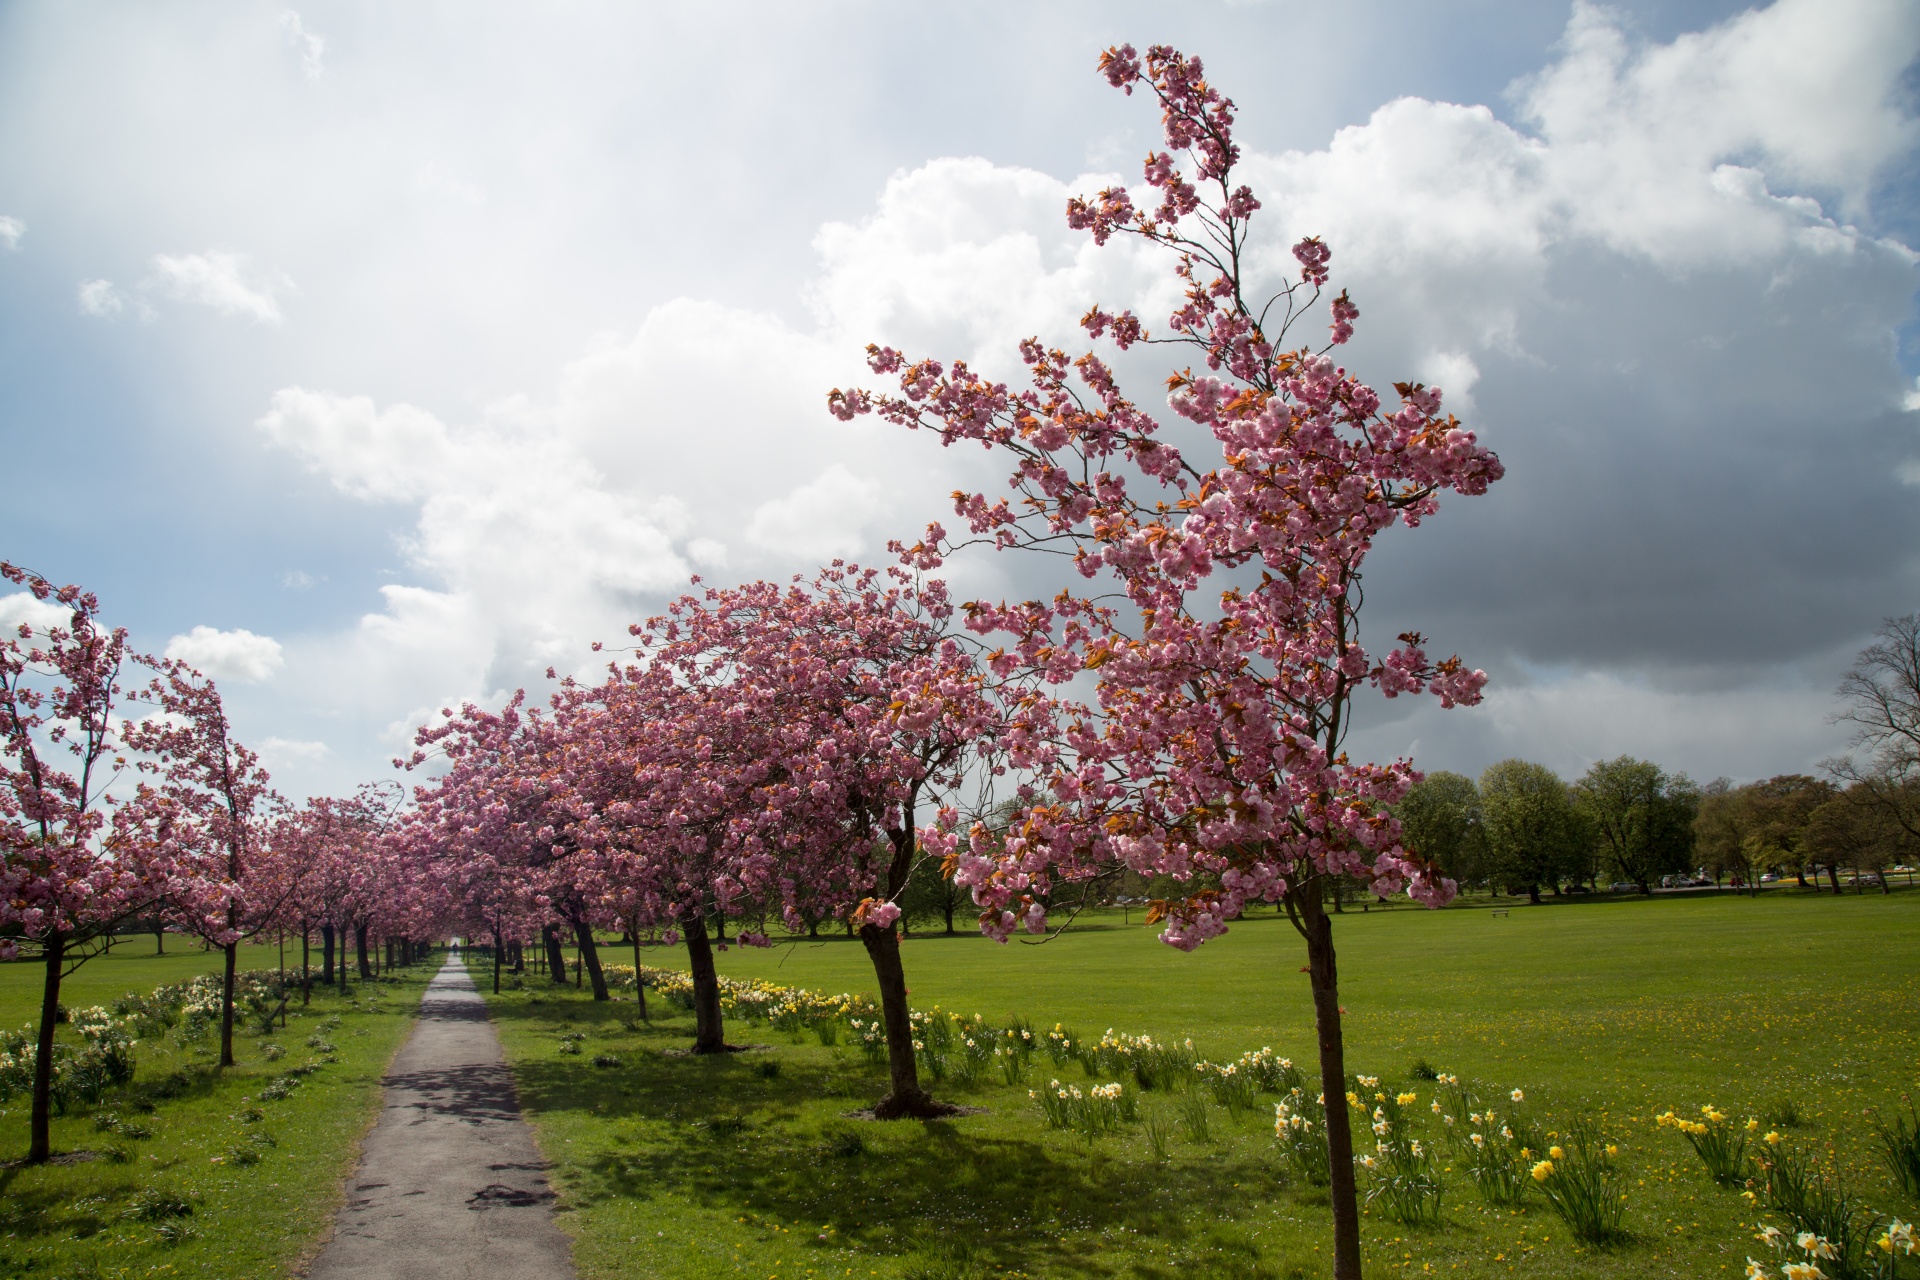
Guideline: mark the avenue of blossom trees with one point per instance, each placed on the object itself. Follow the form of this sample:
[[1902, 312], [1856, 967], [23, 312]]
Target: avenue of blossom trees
[[793, 755]]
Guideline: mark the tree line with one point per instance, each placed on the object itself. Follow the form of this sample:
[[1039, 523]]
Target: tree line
[[1520, 828]]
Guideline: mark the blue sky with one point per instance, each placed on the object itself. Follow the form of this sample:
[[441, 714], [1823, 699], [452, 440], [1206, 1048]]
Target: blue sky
[[426, 345]]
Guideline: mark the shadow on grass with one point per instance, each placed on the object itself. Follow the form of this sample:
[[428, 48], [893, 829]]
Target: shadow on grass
[[731, 1137]]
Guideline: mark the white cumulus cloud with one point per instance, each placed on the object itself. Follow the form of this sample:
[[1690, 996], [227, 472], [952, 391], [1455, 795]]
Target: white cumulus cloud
[[20, 608], [12, 230], [221, 280], [228, 655]]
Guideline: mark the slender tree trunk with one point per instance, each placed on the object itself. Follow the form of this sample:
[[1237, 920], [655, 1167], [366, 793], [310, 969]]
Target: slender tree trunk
[[232, 950], [1833, 877], [639, 982], [159, 939], [905, 1098], [1325, 980], [1533, 894], [40, 1147], [498, 947], [360, 953], [306, 966], [326, 955], [707, 1034], [556, 959], [590, 956]]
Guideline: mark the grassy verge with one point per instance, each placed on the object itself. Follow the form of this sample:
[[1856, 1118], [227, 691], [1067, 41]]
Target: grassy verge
[[750, 1164], [190, 1171]]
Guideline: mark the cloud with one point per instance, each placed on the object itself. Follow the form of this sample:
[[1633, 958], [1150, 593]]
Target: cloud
[[312, 48], [20, 608], [104, 299], [220, 280], [820, 520], [1650, 276], [228, 655], [12, 230], [292, 751]]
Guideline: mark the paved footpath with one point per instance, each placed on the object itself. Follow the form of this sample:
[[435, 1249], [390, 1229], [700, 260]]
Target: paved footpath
[[450, 1185]]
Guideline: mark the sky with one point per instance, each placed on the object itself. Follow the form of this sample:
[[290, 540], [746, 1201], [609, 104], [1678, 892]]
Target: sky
[[375, 358]]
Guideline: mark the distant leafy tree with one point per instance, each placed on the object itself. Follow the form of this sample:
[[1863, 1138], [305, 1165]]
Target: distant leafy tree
[[1723, 834], [1440, 820], [1641, 817], [1856, 831], [1744, 831], [931, 896], [1533, 833], [1782, 806]]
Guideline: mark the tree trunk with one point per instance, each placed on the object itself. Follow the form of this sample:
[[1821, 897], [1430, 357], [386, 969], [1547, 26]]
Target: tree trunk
[[498, 947], [949, 913], [1325, 980], [159, 939], [1833, 877], [326, 955], [232, 950], [590, 955], [707, 1035], [306, 966], [556, 958], [40, 1147], [1533, 896], [360, 952], [639, 984], [905, 1098]]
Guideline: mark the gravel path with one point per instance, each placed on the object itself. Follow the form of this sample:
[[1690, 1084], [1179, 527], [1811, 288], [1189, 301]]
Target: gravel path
[[450, 1183]]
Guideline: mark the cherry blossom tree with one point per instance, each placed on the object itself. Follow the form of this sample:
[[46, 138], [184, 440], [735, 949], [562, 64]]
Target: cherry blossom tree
[[216, 790], [1211, 747], [874, 710], [72, 864]]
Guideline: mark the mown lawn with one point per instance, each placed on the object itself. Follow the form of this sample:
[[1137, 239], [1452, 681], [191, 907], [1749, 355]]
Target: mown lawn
[[113, 1211], [750, 1164]]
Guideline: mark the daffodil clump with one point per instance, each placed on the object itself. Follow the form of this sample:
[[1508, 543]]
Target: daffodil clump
[[1580, 1179], [1854, 1242], [1401, 1172], [1720, 1144], [1499, 1147], [1808, 1255], [1300, 1127], [1099, 1109]]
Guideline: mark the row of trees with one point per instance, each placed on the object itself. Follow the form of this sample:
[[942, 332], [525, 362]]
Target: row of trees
[[1521, 828]]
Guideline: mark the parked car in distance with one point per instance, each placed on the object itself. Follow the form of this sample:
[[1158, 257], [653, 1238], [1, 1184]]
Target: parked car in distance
[[1621, 886], [1577, 888]]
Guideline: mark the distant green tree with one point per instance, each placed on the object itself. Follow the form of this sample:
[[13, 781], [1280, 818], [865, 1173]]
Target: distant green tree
[[1855, 830], [1441, 821], [932, 896], [1532, 831], [1641, 817]]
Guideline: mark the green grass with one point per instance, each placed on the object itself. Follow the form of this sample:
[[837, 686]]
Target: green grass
[[83, 1219], [748, 1164]]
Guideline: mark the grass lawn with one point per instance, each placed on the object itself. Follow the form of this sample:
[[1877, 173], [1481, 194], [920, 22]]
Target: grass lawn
[[86, 1219], [672, 1166]]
